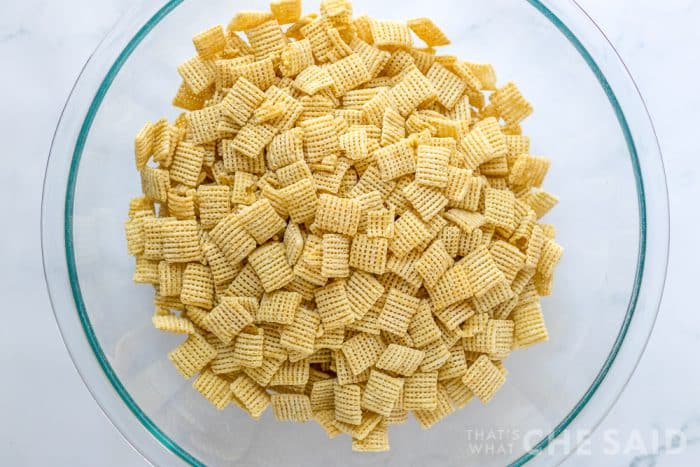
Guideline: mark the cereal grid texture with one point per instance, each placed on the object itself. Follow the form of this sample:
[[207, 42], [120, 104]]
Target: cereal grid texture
[[343, 223]]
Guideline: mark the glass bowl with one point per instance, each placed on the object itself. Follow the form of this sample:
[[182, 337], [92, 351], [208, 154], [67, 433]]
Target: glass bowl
[[612, 221]]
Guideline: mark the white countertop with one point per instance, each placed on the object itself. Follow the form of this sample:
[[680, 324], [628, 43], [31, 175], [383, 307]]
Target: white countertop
[[43, 46]]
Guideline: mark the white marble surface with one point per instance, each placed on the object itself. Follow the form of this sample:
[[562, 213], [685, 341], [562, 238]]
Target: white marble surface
[[65, 425]]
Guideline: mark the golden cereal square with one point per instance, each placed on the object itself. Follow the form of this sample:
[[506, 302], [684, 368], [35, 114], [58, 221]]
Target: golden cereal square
[[291, 374], [301, 200], [197, 286], [322, 395], [422, 328], [279, 307], [381, 392], [214, 202], [300, 335], [210, 42], [291, 407], [529, 325], [483, 378], [269, 262], [214, 388], [409, 232], [390, 33], [248, 349], [192, 355], [336, 254], [286, 11], [448, 86], [339, 215], [261, 221], [232, 239], [333, 305], [428, 31], [399, 308], [251, 397], [431, 167], [443, 408], [362, 351], [433, 263], [347, 399], [427, 201], [227, 319], [420, 391], [400, 359], [369, 254], [482, 271]]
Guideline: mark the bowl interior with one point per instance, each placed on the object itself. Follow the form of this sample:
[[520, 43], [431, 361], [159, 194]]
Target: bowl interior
[[597, 222]]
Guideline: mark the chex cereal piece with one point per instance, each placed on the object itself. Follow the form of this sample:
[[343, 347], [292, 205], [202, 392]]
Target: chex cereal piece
[[529, 324], [381, 392], [427, 201], [420, 391], [301, 200], [369, 421], [320, 137], [400, 359], [333, 305], [313, 79], [170, 278], [270, 264], [346, 401], [427, 418], [214, 388], [431, 166], [390, 33], [197, 73], [399, 308], [227, 319], [214, 202], [340, 215], [155, 183], [436, 354], [172, 323], [433, 263], [251, 397], [412, 90], [376, 440], [483, 378], [369, 254], [279, 307], [301, 333], [448, 86], [291, 407], [336, 254], [197, 286], [396, 160], [322, 395], [482, 271], [409, 232], [363, 292], [348, 73], [192, 355], [286, 11], [232, 239], [261, 221], [248, 349], [362, 351], [428, 32], [291, 374]]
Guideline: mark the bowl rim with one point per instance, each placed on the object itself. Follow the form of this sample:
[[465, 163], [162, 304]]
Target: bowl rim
[[153, 429]]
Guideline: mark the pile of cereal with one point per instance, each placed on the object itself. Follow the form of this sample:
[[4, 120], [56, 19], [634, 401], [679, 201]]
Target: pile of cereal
[[345, 229]]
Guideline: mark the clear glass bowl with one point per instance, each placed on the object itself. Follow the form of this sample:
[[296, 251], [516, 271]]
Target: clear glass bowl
[[612, 220]]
